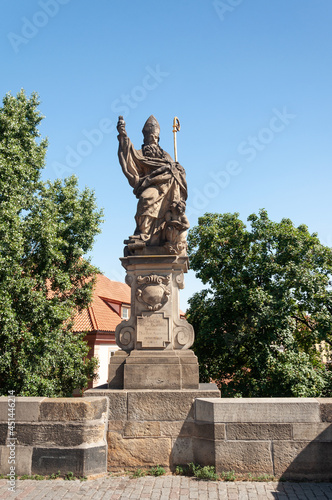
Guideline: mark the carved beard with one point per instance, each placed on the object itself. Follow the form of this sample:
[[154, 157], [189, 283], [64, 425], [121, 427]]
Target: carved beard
[[153, 151]]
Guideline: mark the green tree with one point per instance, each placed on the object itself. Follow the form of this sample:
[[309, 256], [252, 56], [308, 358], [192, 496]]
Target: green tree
[[45, 229], [268, 303]]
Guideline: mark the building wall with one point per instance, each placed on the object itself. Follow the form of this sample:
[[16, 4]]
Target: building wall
[[103, 352]]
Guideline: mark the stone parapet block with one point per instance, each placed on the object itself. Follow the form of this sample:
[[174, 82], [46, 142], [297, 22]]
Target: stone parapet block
[[117, 401], [53, 434], [26, 409], [164, 405], [313, 432], [262, 410], [66, 434], [253, 431], [326, 409], [303, 460], [153, 404], [244, 456], [69, 409]]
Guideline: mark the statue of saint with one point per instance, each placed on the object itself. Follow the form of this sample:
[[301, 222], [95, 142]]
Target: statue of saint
[[160, 185]]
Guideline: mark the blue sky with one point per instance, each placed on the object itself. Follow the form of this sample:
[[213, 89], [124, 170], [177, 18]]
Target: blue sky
[[250, 81]]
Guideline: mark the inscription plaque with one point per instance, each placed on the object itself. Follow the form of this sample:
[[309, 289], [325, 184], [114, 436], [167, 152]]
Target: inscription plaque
[[153, 330]]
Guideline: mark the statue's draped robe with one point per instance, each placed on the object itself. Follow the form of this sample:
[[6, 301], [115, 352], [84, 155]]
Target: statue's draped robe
[[157, 183]]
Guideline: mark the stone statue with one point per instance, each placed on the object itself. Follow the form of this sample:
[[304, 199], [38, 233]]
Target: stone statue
[[160, 185], [155, 340]]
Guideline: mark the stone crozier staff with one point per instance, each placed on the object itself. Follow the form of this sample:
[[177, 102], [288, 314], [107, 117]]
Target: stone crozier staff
[[160, 185]]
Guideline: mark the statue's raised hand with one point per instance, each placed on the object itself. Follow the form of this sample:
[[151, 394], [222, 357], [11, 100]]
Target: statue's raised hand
[[121, 126]]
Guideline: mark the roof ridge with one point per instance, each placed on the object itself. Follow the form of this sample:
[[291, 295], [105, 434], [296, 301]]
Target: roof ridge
[[93, 318]]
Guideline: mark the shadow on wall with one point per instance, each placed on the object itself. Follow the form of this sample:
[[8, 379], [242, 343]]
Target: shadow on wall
[[308, 456]]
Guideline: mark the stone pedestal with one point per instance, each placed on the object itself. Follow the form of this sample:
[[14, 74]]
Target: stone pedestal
[[155, 341]]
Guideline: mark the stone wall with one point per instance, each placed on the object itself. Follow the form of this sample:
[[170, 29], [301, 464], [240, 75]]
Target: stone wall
[[151, 427], [285, 437], [125, 429], [51, 434]]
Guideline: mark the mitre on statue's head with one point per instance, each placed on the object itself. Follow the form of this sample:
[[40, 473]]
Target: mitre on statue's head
[[151, 126]]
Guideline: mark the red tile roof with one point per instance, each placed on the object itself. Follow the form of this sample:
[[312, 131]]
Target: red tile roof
[[100, 315]]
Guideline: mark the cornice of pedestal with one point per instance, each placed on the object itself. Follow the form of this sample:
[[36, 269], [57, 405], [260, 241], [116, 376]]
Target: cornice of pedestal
[[154, 262]]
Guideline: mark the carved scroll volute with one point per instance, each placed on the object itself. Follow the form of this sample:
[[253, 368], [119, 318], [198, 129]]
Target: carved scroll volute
[[180, 280], [183, 335], [125, 336]]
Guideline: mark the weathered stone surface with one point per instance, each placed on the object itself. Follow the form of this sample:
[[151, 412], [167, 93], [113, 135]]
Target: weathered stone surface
[[264, 410], [172, 428], [187, 429], [26, 409], [3, 433], [313, 432], [204, 451], [3, 409], [152, 376], [254, 431], [115, 370], [117, 402], [162, 405], [141, 429], [209, 430], [56, 434], [182, 451], [116, 426], [66, 409], [190, 376], [325, 409], [303, 460], [137, 452], [80, 461], [243, 456], [23, 456]]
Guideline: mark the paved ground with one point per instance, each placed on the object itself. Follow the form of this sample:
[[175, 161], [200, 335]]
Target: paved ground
[[162, 488]]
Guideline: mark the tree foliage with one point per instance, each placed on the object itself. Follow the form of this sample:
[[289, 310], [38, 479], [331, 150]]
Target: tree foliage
[[268, 303], [45, 229]]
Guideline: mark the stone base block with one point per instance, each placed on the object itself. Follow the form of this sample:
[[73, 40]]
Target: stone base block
[[244, 456], [145, 369], [80, 461], [139, 452]]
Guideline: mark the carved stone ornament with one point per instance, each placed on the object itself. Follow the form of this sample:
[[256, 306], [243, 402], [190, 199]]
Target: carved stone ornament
[[129, 279], [153, 291], [183, 337], [180, 280], [124, 336], [183, 334]]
